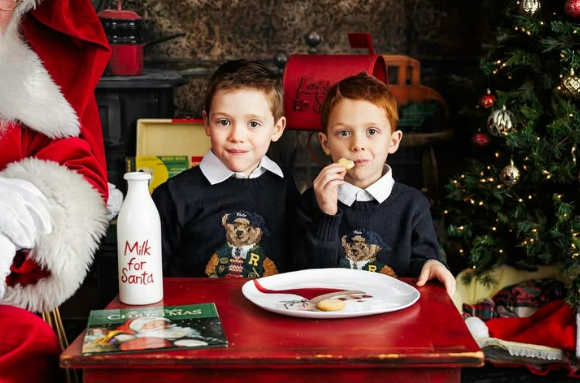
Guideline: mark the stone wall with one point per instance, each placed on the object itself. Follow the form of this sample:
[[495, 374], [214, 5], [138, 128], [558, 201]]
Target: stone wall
[[444, 35]]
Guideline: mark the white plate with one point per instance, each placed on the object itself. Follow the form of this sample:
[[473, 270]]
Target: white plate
[[377, 293]]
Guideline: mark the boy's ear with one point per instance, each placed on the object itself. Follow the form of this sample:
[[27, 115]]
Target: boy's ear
[[323, 138], [396, 138], [278, 129], [206, 123]]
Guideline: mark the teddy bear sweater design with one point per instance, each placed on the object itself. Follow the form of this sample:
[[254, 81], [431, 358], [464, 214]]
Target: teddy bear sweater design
[[241, 256], [203, 225], [397, 234]]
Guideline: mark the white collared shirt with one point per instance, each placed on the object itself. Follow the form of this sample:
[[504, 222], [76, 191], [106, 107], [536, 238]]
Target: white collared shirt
[[215, 171], [359, 264], [379, 191], [243, 251]]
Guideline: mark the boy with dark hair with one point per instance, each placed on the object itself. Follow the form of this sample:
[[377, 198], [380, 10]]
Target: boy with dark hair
[[231, 216], [357, 216]]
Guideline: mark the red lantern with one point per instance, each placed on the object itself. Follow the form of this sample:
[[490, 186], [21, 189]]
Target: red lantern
[[487, 101], [572, 8], [123, 32], [480, 139]]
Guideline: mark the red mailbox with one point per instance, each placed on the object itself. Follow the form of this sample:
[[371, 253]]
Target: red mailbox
[[307, 79]]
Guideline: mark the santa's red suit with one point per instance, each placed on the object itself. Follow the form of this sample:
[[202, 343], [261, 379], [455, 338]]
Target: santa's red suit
[[51, 57]]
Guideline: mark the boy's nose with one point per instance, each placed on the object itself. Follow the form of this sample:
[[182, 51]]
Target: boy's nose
[[236, 133], [357, 145]]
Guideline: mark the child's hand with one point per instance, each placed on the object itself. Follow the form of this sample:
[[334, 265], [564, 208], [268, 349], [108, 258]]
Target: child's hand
[[326, 187], [434, 269]]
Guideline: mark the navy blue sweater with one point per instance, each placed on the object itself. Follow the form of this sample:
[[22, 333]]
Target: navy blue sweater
[[193, 217], [401, 226]]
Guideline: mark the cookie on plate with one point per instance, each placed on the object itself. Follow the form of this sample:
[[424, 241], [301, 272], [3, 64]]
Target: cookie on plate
[[331, 305]]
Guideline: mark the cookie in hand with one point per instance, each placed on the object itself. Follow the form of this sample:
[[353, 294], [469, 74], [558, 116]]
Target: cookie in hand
[[347, 164]]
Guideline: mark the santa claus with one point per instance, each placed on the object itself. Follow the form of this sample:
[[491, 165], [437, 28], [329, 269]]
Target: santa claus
[[53, 179]]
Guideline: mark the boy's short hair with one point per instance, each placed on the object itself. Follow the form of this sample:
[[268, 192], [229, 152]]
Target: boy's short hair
[[242, 74], [361, 87]]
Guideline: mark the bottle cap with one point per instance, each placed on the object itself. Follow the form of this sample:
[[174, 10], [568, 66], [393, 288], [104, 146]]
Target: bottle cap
[[137, 176]]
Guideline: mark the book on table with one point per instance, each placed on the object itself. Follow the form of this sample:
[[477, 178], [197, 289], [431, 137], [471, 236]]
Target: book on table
[[142, 329]]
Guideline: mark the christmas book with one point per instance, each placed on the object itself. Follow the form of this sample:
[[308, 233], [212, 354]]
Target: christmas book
[[153, 328]]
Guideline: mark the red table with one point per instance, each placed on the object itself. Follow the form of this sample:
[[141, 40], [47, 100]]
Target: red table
[[427, 342]]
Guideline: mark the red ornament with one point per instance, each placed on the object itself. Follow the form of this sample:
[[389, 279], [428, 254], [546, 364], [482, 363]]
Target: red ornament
[[572, 8], [480, 139], [487, 101]]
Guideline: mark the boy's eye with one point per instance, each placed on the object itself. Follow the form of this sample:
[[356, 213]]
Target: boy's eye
[[373, 131], [223, 122], [254, 124], [343, 133]]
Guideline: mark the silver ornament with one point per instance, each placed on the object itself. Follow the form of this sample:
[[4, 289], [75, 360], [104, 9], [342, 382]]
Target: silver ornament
[[510, 174], [499, 122], [531, 6], [571, 85]]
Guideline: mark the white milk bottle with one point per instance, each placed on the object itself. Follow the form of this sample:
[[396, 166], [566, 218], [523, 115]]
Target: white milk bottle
[[139, 244]]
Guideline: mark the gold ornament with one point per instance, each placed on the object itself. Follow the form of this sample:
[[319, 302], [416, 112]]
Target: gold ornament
[[510, 174], [499, 122], [531, 6], [571, 85]]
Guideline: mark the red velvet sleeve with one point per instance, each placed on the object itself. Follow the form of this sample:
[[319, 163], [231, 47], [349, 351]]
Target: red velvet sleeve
[[74, 153]]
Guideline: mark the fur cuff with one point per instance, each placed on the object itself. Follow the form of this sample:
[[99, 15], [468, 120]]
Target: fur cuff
[[79, 221], [27, 5]]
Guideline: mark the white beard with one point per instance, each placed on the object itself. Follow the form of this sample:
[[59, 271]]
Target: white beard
[[28, 94]]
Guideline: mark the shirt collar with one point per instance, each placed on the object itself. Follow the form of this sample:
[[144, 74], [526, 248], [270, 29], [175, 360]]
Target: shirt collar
[[215, 171], [379, 191]]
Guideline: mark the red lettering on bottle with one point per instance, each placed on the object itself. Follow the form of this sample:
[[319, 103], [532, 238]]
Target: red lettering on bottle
[[143, 249], [144, 278], [131, 249]]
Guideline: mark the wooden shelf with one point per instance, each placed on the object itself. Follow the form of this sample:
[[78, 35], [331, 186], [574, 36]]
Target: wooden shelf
[[411, 139]]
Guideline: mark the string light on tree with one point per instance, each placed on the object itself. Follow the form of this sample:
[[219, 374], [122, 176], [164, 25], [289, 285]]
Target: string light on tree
[[510, 174]]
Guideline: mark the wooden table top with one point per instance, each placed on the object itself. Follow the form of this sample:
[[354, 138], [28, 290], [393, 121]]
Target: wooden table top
[[430, 333]]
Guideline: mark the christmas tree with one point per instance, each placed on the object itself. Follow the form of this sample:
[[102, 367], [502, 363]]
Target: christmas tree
[[517, 200]]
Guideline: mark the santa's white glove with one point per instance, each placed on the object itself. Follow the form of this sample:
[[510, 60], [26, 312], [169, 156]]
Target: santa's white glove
[[23, 216], [114, 202], [23, 212], [7, 253]]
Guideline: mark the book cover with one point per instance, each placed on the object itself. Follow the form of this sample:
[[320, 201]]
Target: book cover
[[153, 328], [160, 167]]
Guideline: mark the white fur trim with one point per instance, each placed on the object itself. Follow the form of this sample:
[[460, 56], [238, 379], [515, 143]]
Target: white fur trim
[[523, 349], [28, 93], [79, 220], [27, 5]]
